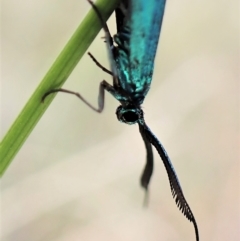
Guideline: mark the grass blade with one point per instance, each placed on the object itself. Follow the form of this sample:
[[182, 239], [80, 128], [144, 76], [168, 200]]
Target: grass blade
[[55, 78]]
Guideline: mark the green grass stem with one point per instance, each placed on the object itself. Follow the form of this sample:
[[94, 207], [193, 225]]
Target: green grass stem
[[55, 78]]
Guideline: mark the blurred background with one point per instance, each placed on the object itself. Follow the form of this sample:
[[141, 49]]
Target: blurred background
[[77, 175]]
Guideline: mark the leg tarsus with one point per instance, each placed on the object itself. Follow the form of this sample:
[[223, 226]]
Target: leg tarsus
[[99, 109], [102, 87]]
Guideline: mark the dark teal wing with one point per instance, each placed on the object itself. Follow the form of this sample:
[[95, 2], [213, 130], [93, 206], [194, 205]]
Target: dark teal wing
[[138, 28], [145, 25]]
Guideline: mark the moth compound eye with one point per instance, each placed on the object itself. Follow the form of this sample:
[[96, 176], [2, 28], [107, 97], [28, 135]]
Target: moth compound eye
[[129, 114]]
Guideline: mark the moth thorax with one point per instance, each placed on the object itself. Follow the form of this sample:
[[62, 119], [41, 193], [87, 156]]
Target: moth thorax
[[129, 114]]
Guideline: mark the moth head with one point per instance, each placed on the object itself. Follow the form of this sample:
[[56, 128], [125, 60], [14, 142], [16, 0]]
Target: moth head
[[129, 114]]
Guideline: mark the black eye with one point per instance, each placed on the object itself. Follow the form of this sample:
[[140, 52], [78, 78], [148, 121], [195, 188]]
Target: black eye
[[130, 116]]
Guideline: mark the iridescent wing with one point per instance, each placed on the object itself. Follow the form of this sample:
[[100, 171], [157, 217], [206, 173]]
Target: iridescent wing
[[145, 26], [138, 28]]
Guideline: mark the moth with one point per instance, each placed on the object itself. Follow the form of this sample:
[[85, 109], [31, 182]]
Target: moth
[[132, 53]]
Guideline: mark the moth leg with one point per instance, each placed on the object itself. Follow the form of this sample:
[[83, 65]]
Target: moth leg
[[110, 46], [99, 65], [102, 87], [104, 25], [148, 169]]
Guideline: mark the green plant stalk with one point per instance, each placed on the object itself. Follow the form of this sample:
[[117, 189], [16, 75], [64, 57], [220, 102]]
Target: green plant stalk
[[55, 78]]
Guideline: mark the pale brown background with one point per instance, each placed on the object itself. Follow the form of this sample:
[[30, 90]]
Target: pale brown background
[[77, 176]]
